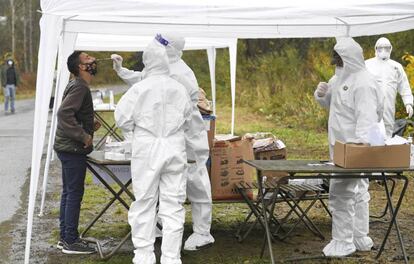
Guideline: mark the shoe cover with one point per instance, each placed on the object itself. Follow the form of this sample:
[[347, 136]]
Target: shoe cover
[[196, 241], [337, 248], [168, 260], [363, 243], [143, 257]]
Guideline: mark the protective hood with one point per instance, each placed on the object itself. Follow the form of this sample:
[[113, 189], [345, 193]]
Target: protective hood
[[383, 49], [351, 54], [175, 47], [155, 60]]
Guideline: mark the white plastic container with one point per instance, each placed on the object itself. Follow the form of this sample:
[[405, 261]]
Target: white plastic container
[[111, 99], [410, 141]]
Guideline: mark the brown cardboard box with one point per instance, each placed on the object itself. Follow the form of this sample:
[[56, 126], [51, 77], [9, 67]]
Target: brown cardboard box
[[211, 133], [363, 156], [278, 154], [227, 168], [210, 123]]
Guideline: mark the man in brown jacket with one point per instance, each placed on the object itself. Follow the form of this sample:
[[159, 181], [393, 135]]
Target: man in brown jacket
[[73, 142]]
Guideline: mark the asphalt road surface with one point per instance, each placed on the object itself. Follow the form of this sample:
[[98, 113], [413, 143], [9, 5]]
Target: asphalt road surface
[[15, 155]]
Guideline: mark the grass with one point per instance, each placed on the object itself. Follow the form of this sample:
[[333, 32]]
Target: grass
[[301, 143], [20, 95]]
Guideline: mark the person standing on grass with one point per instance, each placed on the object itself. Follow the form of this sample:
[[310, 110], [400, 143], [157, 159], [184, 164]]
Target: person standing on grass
[[355, 104], [9, 81], [73, 142]]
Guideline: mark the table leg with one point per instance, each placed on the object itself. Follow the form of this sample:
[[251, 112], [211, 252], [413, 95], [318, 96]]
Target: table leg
[[108, 127], [117, 196], [386, 206], [266, 223], [394, 218]]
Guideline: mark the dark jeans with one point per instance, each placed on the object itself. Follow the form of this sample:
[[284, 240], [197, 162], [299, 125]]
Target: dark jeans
[[73, 176]]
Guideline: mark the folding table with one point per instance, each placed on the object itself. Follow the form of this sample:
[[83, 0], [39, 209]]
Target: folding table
[[110, 128], [314, 169], [97, 159]]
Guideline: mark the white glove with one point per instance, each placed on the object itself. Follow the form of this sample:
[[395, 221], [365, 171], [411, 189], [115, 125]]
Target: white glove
[[409, 109], [322, 89], [117, 62]]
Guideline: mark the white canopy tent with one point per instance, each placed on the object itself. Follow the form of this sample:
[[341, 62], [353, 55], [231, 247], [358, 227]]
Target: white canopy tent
[[62, 20], [97, 42]]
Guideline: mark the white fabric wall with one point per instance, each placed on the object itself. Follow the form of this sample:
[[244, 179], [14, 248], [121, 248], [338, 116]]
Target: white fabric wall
[[49, 37]]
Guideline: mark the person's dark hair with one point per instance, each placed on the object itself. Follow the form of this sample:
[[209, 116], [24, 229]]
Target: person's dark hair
[[73, 62]]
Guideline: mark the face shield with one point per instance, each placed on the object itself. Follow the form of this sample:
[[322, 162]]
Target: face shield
[[174, 45]]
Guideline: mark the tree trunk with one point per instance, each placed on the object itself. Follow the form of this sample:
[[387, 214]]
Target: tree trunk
[[12, 28], [26, 63], [30, 8]]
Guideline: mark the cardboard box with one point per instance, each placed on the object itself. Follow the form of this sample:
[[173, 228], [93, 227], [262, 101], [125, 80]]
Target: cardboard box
[[279, 154], [228, 168], [210, 123], [363, 156]]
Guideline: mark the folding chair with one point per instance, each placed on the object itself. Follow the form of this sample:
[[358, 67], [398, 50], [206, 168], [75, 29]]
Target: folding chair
[[280, 193]]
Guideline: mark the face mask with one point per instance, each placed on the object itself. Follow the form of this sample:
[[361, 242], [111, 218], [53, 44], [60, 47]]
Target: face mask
[[10, 63], [92, 67], [384, 53]]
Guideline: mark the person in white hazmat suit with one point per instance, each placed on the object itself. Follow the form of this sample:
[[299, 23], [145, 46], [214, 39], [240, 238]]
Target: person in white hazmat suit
[[158, 112], [392, 79], [198, 181], [355, 103]]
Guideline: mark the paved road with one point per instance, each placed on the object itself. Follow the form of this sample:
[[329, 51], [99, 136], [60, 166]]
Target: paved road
[[15, 155]]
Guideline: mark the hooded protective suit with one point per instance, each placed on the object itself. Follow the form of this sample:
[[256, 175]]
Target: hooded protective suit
[[198, 181], [355, 103], [391, 77], [158, 112]]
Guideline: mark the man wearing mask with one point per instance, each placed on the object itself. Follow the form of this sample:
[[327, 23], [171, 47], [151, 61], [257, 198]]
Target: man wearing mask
[[198, 181], [73, 142], [157, 110], [9, 81], [355, 104], [392, 79]]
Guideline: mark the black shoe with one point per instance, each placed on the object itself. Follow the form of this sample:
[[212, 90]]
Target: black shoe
[[79, 247]]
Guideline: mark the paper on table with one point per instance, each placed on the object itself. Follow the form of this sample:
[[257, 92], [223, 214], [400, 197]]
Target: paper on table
[[396, 140]]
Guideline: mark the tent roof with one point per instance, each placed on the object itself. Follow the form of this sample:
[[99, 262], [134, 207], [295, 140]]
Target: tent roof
[[235, 19], [101, 42]]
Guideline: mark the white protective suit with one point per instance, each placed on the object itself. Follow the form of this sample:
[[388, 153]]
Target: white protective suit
[[355, 104], [198, 181], [392, 79], [158, 112]]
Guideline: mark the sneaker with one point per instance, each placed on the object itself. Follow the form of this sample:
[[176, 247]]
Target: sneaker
[[59, 244], [78, 247], [198, 241]]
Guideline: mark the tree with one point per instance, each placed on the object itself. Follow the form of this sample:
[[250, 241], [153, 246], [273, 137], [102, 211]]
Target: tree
[[13, 18]]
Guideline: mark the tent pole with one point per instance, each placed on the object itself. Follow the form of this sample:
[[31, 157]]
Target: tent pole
[[233, 60]]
